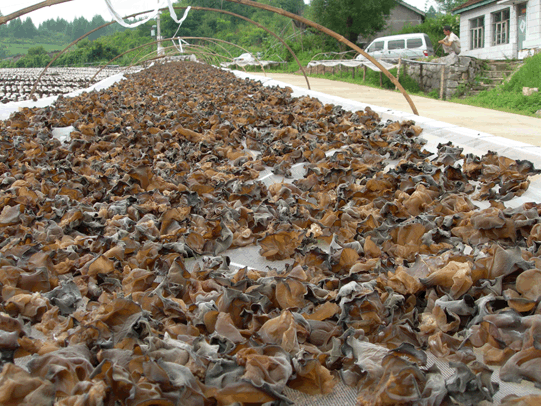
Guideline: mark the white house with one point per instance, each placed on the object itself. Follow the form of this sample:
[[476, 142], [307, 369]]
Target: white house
[[500, 29]]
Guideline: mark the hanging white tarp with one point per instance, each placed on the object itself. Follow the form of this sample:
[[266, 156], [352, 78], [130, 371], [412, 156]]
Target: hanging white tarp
[[118, 18], [353, 63]]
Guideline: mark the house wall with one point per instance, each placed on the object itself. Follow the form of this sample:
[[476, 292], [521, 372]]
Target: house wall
[[533, 33], [505, 51], [399, 17]]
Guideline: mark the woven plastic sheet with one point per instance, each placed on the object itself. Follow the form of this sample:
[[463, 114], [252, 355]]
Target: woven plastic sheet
[[353, 63]]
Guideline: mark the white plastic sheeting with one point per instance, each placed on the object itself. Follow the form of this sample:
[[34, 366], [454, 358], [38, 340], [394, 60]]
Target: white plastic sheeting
[[7, 109], [353, 63], [119, 19], [248, 59]]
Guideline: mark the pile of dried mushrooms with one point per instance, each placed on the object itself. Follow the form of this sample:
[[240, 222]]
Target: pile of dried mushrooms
[[386, 262]]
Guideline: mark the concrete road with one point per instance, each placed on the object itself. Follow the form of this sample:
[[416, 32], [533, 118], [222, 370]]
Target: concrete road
[[512, 126]]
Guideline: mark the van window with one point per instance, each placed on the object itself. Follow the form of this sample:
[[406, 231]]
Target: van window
[[376, 46], [428, 42], [415, 43], [396, 44]]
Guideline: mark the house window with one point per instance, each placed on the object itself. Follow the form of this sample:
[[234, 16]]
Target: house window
[[477, 32], [500, 27]]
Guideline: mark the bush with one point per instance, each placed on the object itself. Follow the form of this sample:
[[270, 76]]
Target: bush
[[35, 57]]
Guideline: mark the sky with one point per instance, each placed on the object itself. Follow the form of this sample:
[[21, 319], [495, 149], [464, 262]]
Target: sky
[[88, 8]]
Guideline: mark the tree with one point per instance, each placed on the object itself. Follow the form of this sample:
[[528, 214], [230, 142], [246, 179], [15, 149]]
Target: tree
[[431, 13], [352, 18], [445, 6]]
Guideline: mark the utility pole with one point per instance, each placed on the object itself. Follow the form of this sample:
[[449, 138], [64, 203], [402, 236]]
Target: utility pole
[[159, 33]]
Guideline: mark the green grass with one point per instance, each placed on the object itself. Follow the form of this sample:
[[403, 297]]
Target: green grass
[[507, 97], [501, 100], [20, 46]]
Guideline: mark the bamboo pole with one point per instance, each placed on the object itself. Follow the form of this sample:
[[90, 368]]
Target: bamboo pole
[[398, 71], [176, 8], [163, 40], [319, 27], [336, 36], [29, 9], [263, 28]]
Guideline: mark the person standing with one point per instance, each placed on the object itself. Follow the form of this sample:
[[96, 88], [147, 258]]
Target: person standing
[[451, 42]]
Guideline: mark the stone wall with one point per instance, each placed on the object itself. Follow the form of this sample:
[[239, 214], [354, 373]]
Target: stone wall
[[458, 70]]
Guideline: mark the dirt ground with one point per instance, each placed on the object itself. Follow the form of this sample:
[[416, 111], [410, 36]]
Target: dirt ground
[[512, 126]]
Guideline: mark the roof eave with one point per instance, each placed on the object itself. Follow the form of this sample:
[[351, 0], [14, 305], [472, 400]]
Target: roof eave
[[412, 8], [460, 10]]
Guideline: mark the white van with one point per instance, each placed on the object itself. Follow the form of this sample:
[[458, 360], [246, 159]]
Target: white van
[[406, 46]]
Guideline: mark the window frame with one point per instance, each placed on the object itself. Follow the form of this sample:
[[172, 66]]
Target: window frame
[[375, 46], [396, 42], [500, 26], [477, 32], [415, 41]]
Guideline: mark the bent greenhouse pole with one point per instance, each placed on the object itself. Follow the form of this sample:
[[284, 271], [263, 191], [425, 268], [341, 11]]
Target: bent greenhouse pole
[[29, 9], [196, 51], [163, 40], [336, 36], [259, 26], [178, 8], [276, 10]]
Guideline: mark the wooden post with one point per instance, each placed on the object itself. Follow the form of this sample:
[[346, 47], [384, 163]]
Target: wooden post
[[380, 79], [442, 81], [353, 72], [364, 73], [421, 76], [398, 72]]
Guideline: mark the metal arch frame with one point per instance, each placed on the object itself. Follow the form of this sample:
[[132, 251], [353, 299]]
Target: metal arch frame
[[133, 61], [276, 10], [259, 26], [164, 9], [163, 40], [190, 47], [336, 36], [211, 40], [198, 52], [215, 43]]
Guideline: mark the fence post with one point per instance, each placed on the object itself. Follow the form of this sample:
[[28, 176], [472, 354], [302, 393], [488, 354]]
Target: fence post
[[380, 79], [421, 77], [442, 81], [364, 73], [353, 72], [398, 72]]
